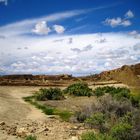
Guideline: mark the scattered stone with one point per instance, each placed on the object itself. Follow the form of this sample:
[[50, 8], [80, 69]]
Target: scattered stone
[[74, 138], [2, 123], [43, 130], [22, 132], [73, 133], [75, 128], [11, 130]]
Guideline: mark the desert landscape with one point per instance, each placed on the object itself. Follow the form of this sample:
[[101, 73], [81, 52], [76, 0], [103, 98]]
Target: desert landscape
[[69, 70], [20, 118]]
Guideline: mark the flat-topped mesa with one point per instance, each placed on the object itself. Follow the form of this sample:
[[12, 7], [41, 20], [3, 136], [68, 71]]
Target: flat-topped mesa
[[53, 77], [35, 77], [17, 77], [35, 80]]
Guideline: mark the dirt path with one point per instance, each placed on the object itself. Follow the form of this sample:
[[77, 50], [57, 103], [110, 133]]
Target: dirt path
[[19, 115]]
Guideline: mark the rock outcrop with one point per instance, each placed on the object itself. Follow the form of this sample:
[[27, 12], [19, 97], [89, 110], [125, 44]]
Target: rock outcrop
[[129, 75]]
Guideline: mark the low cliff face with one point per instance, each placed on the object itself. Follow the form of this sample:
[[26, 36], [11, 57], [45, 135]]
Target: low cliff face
[[36, 80], [129, 75]]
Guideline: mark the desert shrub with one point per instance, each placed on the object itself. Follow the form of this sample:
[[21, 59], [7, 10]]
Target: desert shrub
[[92, 136], [28, 99], [85, 112], [124, 106], [135, 100], [122, 131], [78, 89], [30, 137], [136, 124], [97, 120], [115, 92], [80, 116], [64, 115], [99, 92], [88, 136], [109, 105], [127, 118], [122, 92], [49, 94]]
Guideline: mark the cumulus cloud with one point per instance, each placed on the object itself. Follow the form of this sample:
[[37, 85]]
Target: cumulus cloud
[[4, 1], [114, 22], [85, 49], [126, 23], [134, 32], [59, 29], [70, 40], [24, 26], [76, 50], [45, 57], [102, 40], [41, 28], [58, 40], [2, 37], [129, 14]]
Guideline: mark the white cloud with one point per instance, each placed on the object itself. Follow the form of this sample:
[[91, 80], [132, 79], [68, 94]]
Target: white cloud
[[42, 55], [126, 23], [59, 29], [114, 22], [129, 14], [4, 1], [24, 26], [85, 49], [134, 32], [41, 28], [117, 22]]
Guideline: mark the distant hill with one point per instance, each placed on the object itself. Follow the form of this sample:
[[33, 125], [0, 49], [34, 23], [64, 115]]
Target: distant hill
[[127, 74]]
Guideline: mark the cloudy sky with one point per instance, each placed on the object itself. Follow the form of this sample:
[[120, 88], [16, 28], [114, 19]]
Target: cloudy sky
[[78, 37]]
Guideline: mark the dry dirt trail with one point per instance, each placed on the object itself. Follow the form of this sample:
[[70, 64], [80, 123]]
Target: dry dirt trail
[[19, 117]]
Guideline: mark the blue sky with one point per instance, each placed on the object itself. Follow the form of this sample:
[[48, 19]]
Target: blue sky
[[68, 36]]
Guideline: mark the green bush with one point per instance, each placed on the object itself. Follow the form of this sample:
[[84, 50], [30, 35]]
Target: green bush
[[64, 115], [99, 92], [122, 92], [88, 136], [127, 118], [49, 94], [81, 116], [78, 89], [135, 100], [30, 137], [115, 92], [92, 136], [96, 120], [122, 131]]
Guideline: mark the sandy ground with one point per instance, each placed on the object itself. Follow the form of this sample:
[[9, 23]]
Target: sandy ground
[[13, 110]]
